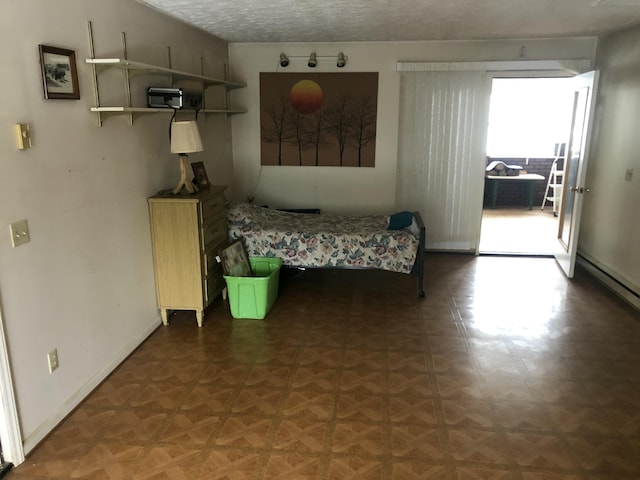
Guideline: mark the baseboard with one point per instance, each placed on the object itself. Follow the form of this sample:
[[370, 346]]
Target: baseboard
[[617, 286], [52, 422]]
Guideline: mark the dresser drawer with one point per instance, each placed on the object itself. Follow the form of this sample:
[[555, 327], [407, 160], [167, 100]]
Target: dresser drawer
[[214, 233], [212, 207]]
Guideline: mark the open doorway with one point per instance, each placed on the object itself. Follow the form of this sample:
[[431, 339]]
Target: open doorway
[[529, 122]]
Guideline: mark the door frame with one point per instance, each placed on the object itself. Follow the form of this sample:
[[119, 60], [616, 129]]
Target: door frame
[[544, 69], [10, 434]]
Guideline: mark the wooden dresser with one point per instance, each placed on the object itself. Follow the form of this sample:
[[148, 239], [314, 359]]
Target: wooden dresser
[[187, 231]]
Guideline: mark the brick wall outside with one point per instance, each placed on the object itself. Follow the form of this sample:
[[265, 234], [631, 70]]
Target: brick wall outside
[[512, 195]]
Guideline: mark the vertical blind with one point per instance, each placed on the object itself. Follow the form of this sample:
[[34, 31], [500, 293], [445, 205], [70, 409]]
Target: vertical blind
[[441, 155]]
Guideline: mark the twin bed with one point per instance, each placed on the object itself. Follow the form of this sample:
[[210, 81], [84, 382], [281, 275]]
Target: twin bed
[[394, 243]]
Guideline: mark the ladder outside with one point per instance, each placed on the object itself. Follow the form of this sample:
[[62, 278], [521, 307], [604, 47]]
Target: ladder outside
[[553, 192]]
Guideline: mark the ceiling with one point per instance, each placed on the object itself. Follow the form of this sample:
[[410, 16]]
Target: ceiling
[[242, 21]]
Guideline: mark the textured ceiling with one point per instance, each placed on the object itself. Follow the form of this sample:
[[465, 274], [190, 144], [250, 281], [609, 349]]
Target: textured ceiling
[[399, 20]]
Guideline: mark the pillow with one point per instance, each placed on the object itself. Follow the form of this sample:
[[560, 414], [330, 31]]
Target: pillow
[[400, 220]]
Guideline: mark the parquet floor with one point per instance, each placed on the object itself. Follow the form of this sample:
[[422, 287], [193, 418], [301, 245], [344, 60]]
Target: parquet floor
[[505, 371]]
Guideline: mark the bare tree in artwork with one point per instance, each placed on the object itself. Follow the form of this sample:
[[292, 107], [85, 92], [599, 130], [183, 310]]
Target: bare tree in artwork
[[362, 128], [275, 130], [295, 126], [314, 134], [338, 121]]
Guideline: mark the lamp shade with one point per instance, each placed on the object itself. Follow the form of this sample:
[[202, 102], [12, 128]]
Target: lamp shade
[[185, 137]]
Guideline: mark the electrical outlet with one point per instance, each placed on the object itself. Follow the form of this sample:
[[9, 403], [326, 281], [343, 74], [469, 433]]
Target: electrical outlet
[[52, 357]]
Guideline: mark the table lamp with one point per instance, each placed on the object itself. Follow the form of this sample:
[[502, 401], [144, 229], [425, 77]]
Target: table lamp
[[185, 138]]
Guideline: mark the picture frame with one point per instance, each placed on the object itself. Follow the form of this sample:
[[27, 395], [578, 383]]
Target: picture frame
[[235, 261], [59, 73], [200, 175], [325, 106]]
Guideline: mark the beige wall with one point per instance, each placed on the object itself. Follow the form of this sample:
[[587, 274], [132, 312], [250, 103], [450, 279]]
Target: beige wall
[[354, 189], [84, 284], [610, 231]]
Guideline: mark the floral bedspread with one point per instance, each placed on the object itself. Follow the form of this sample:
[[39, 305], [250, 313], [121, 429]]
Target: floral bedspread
[[312, 240]]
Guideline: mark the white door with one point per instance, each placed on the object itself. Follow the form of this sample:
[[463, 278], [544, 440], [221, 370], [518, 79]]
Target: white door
[[575, 170]]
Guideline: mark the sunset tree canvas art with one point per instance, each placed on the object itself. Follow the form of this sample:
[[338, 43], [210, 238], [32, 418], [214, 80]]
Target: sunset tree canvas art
[[321, 119]]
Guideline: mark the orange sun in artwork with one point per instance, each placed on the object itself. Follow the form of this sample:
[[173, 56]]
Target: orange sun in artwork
[[306, 96]]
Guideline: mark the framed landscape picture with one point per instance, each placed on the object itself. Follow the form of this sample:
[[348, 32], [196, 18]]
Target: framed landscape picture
[[59, 73]]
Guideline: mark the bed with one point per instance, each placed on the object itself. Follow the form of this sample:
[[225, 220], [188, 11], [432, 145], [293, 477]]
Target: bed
[[384, 242]]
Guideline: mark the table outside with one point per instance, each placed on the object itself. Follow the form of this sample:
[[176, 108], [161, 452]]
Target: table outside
[[528, 180]]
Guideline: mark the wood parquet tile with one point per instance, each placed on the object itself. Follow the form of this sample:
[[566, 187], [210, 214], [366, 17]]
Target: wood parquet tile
[[351, 376], [285, 466], [311, 404], [219, 464]]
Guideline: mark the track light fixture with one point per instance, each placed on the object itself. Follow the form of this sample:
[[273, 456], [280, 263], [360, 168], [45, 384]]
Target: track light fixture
[[312, 59]]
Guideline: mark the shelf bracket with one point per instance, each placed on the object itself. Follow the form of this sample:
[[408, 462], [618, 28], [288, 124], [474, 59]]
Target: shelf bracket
[[204, 89], [123, 39], [227, 92], [96, 91], [170, 62]]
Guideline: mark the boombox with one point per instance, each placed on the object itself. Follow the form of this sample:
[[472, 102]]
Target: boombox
[[177, 98]]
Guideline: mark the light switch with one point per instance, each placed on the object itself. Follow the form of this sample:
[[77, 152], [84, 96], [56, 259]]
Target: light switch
[[19, 233], [22, 135]]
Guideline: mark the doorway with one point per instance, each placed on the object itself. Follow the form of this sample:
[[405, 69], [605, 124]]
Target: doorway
[[529, 121]]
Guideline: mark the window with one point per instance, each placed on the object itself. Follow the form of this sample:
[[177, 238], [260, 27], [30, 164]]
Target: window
[[528, 116]]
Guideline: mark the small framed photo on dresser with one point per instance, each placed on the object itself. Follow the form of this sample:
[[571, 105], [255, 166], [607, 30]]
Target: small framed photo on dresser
[[201, 180]]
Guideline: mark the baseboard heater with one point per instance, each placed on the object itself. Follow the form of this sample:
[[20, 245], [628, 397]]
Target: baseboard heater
[[4, 468], [625, 292]]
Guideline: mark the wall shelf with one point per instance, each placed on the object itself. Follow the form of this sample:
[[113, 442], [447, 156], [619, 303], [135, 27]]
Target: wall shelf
[[133, 68], [137, 68], [134, 112]]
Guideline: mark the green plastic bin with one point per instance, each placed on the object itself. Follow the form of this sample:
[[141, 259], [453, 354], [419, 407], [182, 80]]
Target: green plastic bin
[[253, 297]]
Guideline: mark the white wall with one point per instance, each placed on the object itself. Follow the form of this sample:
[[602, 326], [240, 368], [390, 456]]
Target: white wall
[[610, 231], [336, 189], [84, 284]]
